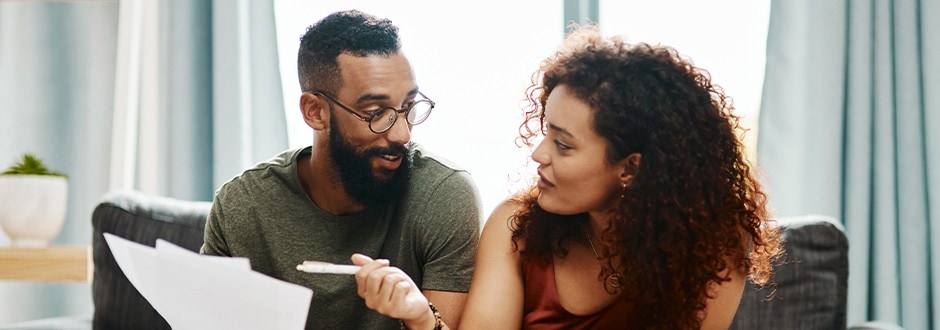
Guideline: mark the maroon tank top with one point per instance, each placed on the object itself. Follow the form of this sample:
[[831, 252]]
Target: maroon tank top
[[542, 309]]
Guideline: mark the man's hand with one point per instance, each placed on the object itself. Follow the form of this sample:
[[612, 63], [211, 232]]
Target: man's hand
[[391, 292]]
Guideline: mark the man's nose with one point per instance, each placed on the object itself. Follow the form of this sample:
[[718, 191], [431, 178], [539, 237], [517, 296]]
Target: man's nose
[[400, 132]]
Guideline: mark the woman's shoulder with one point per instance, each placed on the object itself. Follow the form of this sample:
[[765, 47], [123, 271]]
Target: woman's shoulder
[[500, 219], [507, 207]]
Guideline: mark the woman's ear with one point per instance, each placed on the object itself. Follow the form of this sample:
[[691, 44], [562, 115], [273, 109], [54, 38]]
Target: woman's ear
[[315, 114], [631, 165]]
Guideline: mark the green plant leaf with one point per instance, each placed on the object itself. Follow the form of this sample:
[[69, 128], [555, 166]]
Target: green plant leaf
[[30, 164]]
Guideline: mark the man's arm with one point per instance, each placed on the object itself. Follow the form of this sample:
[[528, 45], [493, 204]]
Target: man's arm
[[213, 240], [455, 213], [450, 229], [449, 304]]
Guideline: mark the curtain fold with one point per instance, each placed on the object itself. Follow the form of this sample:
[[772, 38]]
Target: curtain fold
[[249, 120], [58, 69], [56, 91], [850, 97]]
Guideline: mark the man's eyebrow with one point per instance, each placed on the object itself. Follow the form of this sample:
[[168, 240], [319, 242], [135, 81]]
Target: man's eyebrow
[[381, 97], [559, 129]]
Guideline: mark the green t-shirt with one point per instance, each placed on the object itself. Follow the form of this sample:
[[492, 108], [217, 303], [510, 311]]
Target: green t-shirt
[[431, 233]]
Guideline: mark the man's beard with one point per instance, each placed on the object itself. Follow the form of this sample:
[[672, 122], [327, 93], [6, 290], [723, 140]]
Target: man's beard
[[355, 170]]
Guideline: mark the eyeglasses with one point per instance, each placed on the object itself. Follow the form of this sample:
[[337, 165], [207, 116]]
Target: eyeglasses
[[382, 119]]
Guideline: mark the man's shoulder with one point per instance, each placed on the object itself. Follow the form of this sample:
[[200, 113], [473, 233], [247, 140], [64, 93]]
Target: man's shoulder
[[281, 165], [436, 177], [428, 160], [431, 170]]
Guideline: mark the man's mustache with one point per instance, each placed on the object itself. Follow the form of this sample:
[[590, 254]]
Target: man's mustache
[[398, 149]]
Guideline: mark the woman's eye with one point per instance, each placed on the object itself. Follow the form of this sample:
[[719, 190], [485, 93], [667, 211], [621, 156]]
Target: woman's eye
[[561, 146]]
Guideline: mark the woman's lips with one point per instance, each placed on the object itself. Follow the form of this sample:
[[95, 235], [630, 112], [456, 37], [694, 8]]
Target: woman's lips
[[544, 183]]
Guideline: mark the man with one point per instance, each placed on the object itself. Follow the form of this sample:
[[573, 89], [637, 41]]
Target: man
[[363, 187]]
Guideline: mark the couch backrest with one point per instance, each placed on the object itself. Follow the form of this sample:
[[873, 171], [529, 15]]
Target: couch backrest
[[140, 218], [809, 286], [808, 291]]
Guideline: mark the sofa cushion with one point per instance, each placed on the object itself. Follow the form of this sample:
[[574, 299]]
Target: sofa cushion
[[808, 289], [143, 219]]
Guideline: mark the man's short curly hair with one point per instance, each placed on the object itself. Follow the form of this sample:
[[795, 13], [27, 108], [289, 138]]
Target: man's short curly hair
[[352, 32], [693, 204]]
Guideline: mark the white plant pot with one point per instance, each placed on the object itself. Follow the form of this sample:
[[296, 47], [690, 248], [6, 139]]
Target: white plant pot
[[32, 208]]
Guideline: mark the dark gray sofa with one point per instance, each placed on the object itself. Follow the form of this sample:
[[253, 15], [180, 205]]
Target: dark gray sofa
[[810, 290], [140, 218]]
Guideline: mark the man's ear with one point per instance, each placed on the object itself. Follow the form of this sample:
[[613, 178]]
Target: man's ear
[[631, 165], [316, 115]]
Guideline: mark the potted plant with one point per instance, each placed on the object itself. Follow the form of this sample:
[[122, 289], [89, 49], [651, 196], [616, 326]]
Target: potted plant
[[32, 202]]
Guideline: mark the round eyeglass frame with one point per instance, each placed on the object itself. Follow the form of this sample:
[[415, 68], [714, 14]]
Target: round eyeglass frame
[[370, 118]]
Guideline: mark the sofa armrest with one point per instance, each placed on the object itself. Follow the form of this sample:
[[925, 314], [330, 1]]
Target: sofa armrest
[[141, 218]]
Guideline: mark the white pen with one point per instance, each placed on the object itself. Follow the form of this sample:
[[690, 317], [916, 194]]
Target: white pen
[[326, 268]]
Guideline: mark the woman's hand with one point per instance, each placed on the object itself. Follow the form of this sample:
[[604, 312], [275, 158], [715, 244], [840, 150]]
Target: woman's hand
[[391, 292]]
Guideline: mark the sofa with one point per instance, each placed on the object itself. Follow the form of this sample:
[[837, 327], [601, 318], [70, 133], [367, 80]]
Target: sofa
[[809, 290], [140, 218]]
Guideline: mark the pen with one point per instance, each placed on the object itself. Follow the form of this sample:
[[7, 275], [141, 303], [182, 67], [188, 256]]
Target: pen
[[326, 268]]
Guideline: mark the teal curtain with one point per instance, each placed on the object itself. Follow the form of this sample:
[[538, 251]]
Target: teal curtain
[[56, 94], [848, 128], [218, 101]]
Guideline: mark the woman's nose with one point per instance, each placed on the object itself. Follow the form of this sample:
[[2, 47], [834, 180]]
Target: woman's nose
[[540, 155]]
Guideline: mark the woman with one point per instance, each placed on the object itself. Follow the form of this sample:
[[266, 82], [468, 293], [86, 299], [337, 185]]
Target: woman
[[645, 213]]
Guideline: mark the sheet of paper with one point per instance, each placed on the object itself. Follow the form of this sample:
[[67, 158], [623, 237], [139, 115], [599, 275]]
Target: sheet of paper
[[193, 291], [167, 247], [133, 259]]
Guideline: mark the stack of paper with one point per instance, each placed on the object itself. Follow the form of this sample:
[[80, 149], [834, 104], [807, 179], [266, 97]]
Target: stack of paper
[[193, 291]]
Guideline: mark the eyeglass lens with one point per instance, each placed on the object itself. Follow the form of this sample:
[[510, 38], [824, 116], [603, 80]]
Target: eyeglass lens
[[419, 112]]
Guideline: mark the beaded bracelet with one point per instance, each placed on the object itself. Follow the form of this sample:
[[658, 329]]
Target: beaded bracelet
[[438, 323]]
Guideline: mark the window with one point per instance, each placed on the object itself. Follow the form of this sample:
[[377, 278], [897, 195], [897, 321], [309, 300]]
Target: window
[[727, 38], [475, 59]]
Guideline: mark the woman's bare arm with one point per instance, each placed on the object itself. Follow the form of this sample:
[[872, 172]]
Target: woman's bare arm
[[496, 291]]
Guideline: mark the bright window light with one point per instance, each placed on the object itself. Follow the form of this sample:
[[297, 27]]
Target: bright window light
[[475, 59], [727, 38]]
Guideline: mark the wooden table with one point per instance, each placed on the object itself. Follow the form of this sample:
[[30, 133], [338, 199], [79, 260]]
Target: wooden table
[[68, 263]]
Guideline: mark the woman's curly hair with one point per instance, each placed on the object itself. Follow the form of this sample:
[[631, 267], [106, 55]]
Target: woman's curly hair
[[692, 211]]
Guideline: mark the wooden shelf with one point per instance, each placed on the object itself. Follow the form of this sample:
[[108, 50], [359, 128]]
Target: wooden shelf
[[51, 264]]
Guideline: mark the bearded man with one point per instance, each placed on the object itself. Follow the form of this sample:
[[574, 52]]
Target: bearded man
[[362, 188]]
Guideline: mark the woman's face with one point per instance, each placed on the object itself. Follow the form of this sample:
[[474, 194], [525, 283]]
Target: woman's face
[[574, 175]]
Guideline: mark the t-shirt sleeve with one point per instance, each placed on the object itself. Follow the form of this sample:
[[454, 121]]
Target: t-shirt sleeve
[[213, 240], [451, 233]]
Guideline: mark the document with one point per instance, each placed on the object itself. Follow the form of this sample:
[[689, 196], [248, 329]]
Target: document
[[194, 291]]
